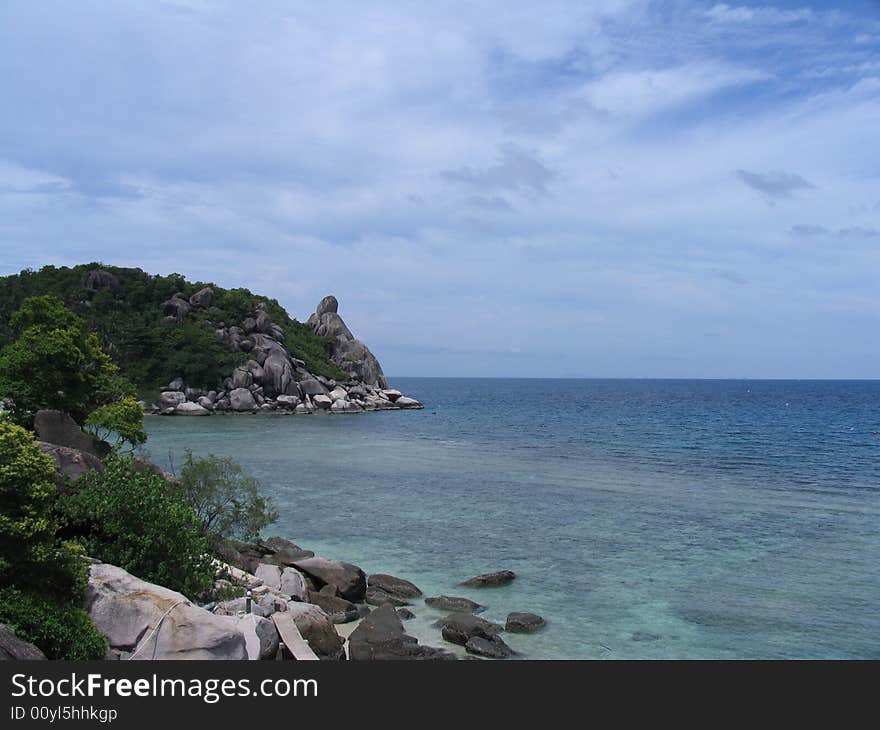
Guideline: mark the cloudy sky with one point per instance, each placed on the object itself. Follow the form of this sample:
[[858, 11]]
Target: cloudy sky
[[635, 189]]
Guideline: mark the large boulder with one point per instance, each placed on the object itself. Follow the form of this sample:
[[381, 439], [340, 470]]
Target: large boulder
[[322, 401], [100, 279], [491, 648], [188, 408], [393, 585], [202, 298], [293, 583], [381, 636], [349, 580], [71, 463], [312, 387], [460, 627], [170, 399], [282, 552], [15, 648], [242, 378], [456, 604], [523, 622], [241, 399], [490, 580], [278, 374], [317, 629], [56, 427], [176, 308], [154, 622], [260, 635], [269, 574]]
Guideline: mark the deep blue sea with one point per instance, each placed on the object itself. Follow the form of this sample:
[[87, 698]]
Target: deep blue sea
[[644, 518]]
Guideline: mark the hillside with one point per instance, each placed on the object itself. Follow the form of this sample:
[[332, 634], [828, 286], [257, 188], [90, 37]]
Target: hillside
[[158, 328]]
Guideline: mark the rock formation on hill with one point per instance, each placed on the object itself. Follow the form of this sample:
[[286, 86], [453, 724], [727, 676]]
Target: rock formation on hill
[[271, 379], [349, 353]]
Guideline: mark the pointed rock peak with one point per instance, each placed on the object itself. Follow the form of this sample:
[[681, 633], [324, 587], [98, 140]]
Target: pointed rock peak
[[327, 304]]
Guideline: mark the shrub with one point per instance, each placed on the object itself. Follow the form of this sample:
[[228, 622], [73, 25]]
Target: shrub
[[122, 420], [226, 501], [132, 518], [31, 556], [59, 630]]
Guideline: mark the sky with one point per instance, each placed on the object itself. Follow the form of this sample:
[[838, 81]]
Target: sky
[[553, 189]]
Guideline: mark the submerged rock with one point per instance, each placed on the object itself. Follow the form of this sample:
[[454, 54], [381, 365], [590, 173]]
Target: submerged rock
[[490, 580], [381, 636], [454, 603], [524, 623]]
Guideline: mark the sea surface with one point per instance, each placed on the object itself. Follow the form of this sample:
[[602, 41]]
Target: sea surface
[[644, 518]]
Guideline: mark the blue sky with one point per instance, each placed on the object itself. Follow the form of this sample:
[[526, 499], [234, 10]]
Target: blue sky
[[633, 189]]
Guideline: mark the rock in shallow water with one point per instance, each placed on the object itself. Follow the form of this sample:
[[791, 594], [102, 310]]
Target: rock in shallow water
[[461, 627], [381, 636], [454, 603], [490, 580], [523, 622], [493, 648], [393, 585]]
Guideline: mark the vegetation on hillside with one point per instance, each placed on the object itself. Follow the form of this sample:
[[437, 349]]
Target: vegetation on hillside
[[128, 321]]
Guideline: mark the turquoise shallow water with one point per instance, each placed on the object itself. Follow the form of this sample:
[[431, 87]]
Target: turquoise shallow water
[[645, 519]]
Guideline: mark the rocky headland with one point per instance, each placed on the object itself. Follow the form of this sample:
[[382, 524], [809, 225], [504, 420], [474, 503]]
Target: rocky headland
[[271, 379]]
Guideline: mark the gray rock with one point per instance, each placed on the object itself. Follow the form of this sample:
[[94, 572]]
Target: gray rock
[[14, 648], [317, 629], [491, 648], [60, 429], [405, 614], [347, 351], [238, 606], [202, 298], [322, 402], [100, 279], [176, 384], [171, 399], [349, 580], [459, 627], [287, 401], [524, 623], [404, 402], [206, 403], [242, 378], [127, 610], [71, 463], [490, 580], [191, 409], [176, 308], [278, 374], [269, 574], [256, 371], [393, 585], [261, 636], [338, 393], [293, 583], [380, 636], [333, 605], [241, 399], [312, 387], [454, 603], [378, 597]]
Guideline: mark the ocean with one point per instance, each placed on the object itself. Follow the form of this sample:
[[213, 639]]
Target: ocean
[[655, 519]]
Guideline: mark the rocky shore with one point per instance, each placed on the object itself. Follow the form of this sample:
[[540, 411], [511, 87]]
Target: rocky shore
[[271, 380], [280, 594]]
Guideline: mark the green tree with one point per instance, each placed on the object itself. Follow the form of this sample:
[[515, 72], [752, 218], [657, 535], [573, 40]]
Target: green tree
[[130, 516], [54, 362], [31, 555], [122, 421], [227, 502]]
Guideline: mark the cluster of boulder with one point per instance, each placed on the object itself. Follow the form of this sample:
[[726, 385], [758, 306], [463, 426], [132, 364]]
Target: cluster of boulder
[[272, 380]]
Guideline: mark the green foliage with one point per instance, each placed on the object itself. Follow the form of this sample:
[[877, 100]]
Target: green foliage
[[131, 517], [31, 556], [226, 501], [122, 421], [150, 351], [54, 362], [59, 630]]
